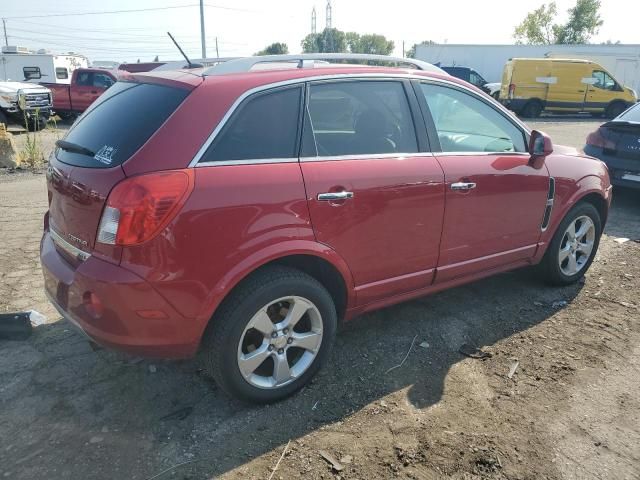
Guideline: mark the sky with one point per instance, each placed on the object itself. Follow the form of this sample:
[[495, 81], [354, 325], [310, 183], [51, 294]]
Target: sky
[[244, 27]]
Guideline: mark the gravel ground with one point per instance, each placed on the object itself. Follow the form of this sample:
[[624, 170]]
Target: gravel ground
[[571, 410]]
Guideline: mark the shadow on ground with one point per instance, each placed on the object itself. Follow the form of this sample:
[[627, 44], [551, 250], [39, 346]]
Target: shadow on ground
[[131, 418]]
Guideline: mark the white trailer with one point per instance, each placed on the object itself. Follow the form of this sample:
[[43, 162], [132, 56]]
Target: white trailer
[[19, 64]]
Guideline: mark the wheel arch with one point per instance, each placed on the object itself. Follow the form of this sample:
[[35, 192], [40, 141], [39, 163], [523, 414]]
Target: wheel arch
[[317, 260]]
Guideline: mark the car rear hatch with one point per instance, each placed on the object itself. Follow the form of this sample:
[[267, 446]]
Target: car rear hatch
[[623, 139], [87, 163]]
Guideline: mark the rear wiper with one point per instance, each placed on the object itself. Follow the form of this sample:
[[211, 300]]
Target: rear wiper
[[74, 148]]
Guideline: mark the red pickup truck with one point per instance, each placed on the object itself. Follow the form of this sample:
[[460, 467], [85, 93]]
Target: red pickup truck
[[87, 84]]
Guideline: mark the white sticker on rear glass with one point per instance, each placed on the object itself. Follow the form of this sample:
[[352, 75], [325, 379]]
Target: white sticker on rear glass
[[105, 154]]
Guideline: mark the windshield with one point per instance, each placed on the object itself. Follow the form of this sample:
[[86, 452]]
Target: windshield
[[118, 124]]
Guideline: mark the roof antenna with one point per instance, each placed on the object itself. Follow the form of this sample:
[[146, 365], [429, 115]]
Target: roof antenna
[[189, 63]]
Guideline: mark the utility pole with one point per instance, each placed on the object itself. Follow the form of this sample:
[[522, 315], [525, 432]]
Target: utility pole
[[403, 49], [202, 40], [217, 51], [4, 26], [313, 20]]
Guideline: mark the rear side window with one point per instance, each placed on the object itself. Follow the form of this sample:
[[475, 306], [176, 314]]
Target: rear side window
[[102, 80], [119, 123], [631, 115], [265, 126], [359, 118], [85, 79]]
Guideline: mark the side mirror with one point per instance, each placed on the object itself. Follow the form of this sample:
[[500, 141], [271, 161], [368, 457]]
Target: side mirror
[[540, 145]]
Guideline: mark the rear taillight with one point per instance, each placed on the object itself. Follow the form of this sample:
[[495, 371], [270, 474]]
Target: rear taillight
[[140, 207], [597, 139], [512, 90]]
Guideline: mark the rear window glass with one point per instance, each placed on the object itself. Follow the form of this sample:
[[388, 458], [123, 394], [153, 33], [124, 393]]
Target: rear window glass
[[631, 115], [119, 123]]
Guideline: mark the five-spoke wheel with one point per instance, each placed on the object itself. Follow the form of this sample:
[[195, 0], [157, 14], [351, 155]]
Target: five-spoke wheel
[[271, 335]]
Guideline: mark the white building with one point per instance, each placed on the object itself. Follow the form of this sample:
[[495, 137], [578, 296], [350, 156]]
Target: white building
[[623, 61]]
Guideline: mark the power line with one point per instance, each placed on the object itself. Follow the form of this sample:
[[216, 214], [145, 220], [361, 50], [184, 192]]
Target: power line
[[134, 10]]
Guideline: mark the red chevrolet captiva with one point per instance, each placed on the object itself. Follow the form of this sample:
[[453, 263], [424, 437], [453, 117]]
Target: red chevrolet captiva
[[241, 211]]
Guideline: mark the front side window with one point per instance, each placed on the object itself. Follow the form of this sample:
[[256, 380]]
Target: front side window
[[62, 73], [603, 80], [265, 126], [465, 123], [101, 80], [359, 118], [476, 79]]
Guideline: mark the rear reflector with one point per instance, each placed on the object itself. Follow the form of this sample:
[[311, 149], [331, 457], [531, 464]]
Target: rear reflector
[[138, 208], [512, 90]]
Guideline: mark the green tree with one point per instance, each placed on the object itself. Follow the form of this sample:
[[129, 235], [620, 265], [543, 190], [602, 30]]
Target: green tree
[[371, 43], [277, 48], [584, 22], [330, 40], [411, 53], [538, 28]]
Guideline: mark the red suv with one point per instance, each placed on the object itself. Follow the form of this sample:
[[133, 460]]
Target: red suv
[[242, 213]]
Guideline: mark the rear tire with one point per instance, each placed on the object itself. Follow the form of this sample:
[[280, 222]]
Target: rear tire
[[259, 347], [568, 257], [3, 119], [532, 109]]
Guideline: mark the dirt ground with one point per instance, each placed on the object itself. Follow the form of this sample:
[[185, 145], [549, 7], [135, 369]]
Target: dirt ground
[[570, 411]]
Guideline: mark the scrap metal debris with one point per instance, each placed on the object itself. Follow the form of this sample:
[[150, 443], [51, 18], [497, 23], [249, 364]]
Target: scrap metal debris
[[513, 368], [473, 352], [335, 464], [15, 326]]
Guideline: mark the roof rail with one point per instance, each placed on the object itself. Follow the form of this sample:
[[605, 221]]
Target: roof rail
[[306, 60]]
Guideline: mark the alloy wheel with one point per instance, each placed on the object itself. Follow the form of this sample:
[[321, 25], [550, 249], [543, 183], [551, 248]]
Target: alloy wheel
[[280, 342], [576, 245]]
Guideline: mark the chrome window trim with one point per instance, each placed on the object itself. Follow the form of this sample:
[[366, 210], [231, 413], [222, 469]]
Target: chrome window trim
[[367, 156], [248, 161], [335, 77], [72, 250], [479, 154]]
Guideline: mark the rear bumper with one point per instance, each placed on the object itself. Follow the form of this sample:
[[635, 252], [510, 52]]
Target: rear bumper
[[124, 297], [617, 167]]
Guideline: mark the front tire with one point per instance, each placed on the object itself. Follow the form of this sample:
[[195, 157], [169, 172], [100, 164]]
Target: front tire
[[532, 109], [271, 335], [573, 246]]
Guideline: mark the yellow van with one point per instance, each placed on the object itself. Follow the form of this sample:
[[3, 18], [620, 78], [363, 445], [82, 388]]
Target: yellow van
[[533, 85]]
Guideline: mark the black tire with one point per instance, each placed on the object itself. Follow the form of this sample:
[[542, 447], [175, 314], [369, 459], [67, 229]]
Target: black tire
[[615, 109], [496, 95], [532, 109], [550, 269], [3, 119], [35, 124], [220, 343]]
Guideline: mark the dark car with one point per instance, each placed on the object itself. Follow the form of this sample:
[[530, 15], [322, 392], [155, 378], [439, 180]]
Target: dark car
[[467, 74], [617, 143]]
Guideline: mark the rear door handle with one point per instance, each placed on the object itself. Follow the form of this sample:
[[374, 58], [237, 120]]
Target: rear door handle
[[463, 186], [333, 196]]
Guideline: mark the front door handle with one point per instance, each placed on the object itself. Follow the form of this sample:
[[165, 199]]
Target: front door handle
[[333, 196], [463, 186]]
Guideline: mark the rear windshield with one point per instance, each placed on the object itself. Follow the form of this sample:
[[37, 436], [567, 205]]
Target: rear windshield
[[119, 123], [631, 115]]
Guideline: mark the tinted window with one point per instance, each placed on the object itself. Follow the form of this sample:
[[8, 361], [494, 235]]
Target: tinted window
[[102, 80], [265, 126], [631, 115], [466, 124], [85, 79], [31, 72], [476, 79], [356, 118], [119, 122], [62, 73]]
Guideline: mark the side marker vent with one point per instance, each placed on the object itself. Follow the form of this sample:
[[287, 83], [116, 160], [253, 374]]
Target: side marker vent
[[549, 207]]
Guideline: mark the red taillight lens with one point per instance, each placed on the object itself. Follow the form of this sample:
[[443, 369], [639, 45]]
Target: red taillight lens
[[512, 90], [597, 139], [139, 207]]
